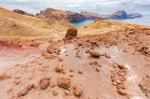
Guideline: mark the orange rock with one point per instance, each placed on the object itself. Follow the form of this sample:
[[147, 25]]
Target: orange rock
[[59, 68], [71, 33], [94, 53], [77, 91], [44, 83], [64, 83]]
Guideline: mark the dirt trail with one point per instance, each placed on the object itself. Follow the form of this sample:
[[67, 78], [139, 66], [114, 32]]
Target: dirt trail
[[114, 65]]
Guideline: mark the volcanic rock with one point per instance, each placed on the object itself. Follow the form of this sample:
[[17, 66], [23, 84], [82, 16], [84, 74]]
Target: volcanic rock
[[71, 33], [44, 83], [25, 90], [77, 91], [94, 53], [121, 92], [64, 83], [59, 68]]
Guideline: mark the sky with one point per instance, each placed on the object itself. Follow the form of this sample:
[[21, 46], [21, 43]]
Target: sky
[[99, 6]]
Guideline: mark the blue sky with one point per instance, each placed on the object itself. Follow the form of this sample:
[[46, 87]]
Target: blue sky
[[100, 6]]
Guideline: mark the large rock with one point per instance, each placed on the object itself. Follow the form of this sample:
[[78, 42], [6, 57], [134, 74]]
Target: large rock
[[71, 33]]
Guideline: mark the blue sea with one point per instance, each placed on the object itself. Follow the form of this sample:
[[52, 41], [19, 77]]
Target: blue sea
[[145, 20]]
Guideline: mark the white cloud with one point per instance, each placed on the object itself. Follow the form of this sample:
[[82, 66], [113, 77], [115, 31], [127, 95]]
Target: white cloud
[[76, 5]]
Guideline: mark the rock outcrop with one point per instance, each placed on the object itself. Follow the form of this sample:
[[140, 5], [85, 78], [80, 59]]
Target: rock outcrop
[[119, 15], [22, 12], [61, 15]]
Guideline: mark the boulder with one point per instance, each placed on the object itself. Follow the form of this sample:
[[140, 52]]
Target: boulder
[[71, 33]]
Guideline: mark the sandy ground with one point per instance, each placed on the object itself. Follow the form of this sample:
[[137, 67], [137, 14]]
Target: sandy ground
[[59, 69]]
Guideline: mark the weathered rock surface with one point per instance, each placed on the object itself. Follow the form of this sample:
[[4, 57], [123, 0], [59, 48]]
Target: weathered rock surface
[[71, 33], [64, 83]]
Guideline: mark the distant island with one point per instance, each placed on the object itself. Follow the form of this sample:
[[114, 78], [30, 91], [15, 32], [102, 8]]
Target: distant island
[[51, 13]]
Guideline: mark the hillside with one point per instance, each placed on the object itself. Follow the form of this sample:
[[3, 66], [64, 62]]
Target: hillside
[[13, 24], [51, 13]]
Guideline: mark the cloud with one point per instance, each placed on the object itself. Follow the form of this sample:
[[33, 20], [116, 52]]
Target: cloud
[[76, 5]]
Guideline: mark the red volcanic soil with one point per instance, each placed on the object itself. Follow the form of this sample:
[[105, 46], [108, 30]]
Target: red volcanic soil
[[113, 65], [12, 53]]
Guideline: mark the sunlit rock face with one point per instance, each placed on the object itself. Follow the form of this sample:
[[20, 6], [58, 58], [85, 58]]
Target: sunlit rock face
[[61, 15], [85, 15]]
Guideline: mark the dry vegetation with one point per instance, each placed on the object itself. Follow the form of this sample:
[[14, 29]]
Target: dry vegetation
[[12, 24]]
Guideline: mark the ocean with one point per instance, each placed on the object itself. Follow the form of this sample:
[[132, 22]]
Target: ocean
[[145, 20]]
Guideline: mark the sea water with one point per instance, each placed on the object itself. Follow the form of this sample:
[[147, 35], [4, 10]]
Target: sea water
[[145, 20]]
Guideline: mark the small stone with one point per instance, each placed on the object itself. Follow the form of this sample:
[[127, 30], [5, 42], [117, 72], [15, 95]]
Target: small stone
[[98, 69], [80, 71], [121, 92], [64, 83], [59, 68], [17, 81], [55, 93], [23, 93], [53, 85], [77, 91], [67, 92], [118, 81], [71, 70], [107, 56], [114, 83], [121, 66], [71, 75], [94, 53], [44, 83], [29, 87], [148, 75]]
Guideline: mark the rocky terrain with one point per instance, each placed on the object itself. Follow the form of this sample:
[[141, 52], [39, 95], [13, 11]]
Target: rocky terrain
[[104, 60]]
